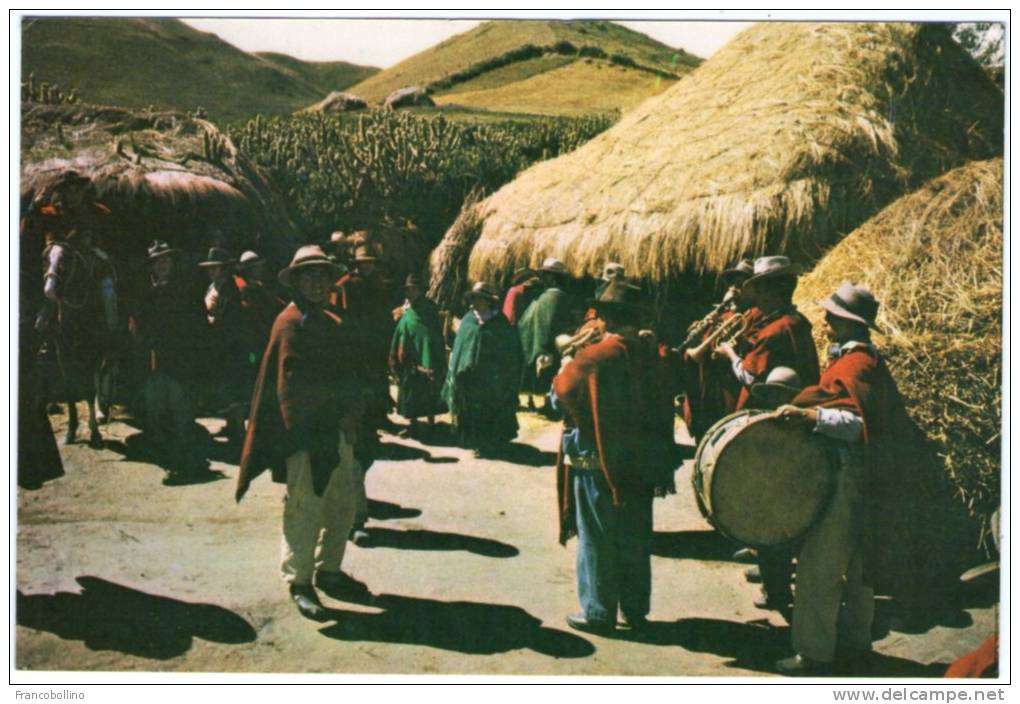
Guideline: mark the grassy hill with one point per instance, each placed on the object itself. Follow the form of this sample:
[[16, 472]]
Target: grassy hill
[[526, 85], [327, 76], [169, 65]]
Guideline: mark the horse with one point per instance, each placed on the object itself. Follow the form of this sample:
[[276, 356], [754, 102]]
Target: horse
[[79, 316]]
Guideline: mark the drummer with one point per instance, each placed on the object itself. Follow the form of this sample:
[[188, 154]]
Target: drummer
[[780, 336], [852, 404]]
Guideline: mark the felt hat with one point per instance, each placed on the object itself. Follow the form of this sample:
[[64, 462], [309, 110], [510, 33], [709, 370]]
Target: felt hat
[[158, 249], [771, 268], [217, 257], [307, 256], [249, 259], [743, 270], [612, 270], [522, 275], [779, 387], [620, 294], [553, 265], [852, 303], [483, 289]]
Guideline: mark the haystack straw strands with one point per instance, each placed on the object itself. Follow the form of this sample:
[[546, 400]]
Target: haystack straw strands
[[788, 137], [933, 259]]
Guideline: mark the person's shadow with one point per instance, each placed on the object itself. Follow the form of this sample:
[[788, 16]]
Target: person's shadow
[[110, 616], [461, 626], [435, 540], [521, 453], [139, 448], [694, 545], [758, 645], [398, 452], [385, 511]]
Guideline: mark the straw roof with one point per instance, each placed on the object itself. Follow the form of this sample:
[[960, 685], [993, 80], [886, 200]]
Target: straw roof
[[788, 137], [933, 259], [163, 175]]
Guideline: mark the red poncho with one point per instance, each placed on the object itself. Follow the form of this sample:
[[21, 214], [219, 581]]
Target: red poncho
[[617, 391], [781, 342]]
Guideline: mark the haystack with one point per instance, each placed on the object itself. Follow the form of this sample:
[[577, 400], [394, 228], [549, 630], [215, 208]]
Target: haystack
[[163, 176], [934, 261], [411, 96], [787, 138], [337, 101]]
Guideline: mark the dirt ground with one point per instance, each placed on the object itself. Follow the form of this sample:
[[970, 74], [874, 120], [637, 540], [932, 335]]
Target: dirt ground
[[117, 572]]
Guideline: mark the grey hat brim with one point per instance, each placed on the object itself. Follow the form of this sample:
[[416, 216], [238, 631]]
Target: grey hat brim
[[286, 276], [791, 270], [841, 312], [209, 265], [159, 255], [250, 263], [772, 394]]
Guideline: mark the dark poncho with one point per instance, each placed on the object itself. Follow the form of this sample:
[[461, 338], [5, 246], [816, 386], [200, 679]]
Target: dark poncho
[[482, 380], [418, 359]]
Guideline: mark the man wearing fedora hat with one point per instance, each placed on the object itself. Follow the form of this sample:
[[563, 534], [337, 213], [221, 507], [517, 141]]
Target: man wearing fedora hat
[[418, 356], [551, 314], [616, 454], [857, 406], [483, 374], [167, 323], [779, 334], [228, 388], [306, 412]]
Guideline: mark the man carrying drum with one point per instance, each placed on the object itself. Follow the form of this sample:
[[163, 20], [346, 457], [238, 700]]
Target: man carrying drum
[[780, 336], [853, 404]]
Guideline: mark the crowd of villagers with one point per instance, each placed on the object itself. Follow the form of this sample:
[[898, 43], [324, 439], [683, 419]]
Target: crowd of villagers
[[300, 365]]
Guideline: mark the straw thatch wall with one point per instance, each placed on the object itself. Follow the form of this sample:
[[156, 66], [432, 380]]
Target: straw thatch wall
[[163, 175], [787, 138], [934, 261]]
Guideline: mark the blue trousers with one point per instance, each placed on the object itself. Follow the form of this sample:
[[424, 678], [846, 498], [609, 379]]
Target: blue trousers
[[613, 551]]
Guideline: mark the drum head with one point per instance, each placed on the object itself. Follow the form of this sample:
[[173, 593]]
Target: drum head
[[770, 483]]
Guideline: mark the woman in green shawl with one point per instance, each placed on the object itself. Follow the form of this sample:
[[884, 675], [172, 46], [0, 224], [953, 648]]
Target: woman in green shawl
[[485, 370], [417, 356]]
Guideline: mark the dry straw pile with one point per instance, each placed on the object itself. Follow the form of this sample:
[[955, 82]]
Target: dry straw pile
[[790, 136], [934, 261]]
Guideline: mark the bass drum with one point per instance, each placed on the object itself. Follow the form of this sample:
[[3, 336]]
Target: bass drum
[[762, 481]]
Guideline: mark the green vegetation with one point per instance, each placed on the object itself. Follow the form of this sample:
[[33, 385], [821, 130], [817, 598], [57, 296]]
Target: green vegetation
[[350, 171], [166, 64], [492, 40], [326, 76]]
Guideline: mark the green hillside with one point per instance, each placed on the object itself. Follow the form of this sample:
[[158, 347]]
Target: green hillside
[[494, 39], [168, 65], [326, 76]]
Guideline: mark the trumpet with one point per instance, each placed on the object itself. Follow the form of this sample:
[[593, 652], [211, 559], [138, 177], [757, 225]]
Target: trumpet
[[730, 330], [698, 328]]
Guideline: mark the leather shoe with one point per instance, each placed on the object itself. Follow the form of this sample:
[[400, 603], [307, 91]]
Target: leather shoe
[[632, 624], [361, 537], [579, 623], [753, 574], [745, 555], [308, 602], [800, 666]]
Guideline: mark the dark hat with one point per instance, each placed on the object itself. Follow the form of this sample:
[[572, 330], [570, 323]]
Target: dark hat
[[307, 256], [522, 275], [483, 289], [771, 268], [743, 269], [414, 280], [158, 249], [620, 294], [217, 257], [249, 259], [779, 387], [852, 303]]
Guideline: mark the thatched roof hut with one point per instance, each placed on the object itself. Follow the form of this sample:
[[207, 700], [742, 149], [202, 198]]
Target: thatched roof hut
[[412, 96], [162, 175], [787, 138], [337, 101], [934, 259]]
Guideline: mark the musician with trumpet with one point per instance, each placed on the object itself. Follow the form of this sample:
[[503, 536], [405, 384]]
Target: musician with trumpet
[[777, 335]]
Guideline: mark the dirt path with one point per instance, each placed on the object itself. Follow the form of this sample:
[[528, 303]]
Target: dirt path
[[116, 571]]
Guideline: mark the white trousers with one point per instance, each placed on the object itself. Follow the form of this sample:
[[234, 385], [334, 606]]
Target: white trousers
[[315, 528], [830, 601]]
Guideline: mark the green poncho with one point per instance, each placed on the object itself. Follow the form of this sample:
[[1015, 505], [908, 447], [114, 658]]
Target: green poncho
[[546, 317], [482, 380], [417, 357]]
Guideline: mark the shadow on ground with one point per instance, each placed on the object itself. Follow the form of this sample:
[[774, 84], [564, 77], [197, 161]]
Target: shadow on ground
[[528, 455], [110, 616], [435, 540], [385, 511], [398, 452], [461, 626], [139, 448], [694, 545]]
